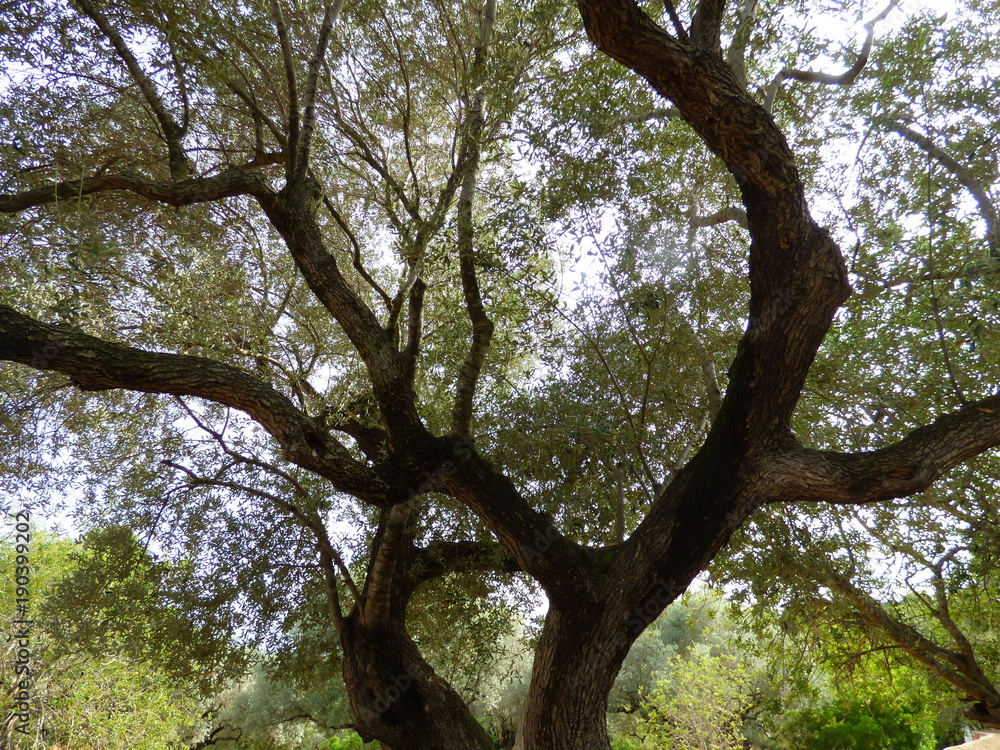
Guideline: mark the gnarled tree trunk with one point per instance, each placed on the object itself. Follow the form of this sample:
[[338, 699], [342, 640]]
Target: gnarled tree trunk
[[397, 698]]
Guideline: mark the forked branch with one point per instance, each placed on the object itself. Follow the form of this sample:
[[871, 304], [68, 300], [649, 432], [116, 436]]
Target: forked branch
[[173, 132], [846, 78]]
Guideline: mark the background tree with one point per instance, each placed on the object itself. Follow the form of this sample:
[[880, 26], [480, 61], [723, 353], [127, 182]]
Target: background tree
[[89, 692]]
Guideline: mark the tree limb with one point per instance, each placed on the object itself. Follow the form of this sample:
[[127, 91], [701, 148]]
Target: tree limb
[[201, 190], [668, 6], [987, 208], [660, 113], [97, 365], [733, 213], [291, 164], [706, 25], [482, 326], [293, 213], [414, 328], [312, 84], [899, 470], [173, 133], [736, 54], [381, 577], [955, 668], [840, 79], [440, 558]]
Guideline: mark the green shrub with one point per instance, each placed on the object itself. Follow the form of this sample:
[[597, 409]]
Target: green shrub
[[875, 724]]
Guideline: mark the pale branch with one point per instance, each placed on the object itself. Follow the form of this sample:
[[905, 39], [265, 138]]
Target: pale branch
[[186, 192], [173, 132], [470, 154], [97, 365], [939, 324], [987, 208], [733, 213], [846, 78], [391, 541], [291, 163], [685, 454], [182, 88], [736, 54], [706, 25], [619, 475], [898, 470], [710, 378], [876, 286], [312, 84]]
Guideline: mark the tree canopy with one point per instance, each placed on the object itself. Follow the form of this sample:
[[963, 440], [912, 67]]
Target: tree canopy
[[369, 316]]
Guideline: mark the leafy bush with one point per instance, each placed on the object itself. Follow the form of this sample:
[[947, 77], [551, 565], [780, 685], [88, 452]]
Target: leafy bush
[[873, 724], [701, 706]]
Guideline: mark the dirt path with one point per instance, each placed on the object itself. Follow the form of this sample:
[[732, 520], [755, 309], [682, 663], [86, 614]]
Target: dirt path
[[990, 742]]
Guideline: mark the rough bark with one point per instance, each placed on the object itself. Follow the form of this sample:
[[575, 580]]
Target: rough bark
[[395, 695], [397, 698]]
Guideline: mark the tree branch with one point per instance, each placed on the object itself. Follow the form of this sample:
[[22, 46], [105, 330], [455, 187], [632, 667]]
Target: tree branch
[[706, 25], [987, 208], [293, 214], [733, 213], [798, 277], [97, 365], [381, 578], [668, 6], [201, 190], [291, 164], [414, 328], [899, 470], [173, 133], [312, 84], [660, 113], [950, 666], [840, 79], [440, 558], [736, 54], [482, 326]]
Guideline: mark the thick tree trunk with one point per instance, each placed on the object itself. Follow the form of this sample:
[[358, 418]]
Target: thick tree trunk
[[576, 663], [397, 698]]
